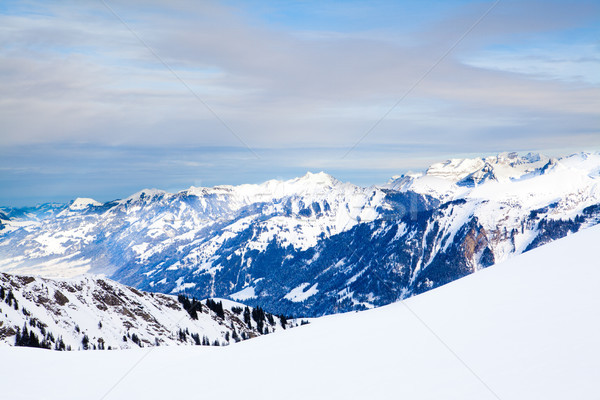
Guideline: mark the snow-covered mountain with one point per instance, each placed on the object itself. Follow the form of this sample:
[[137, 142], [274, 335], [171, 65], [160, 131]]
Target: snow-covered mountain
[[96, 313], [313, 245], [195, 223], [524, 329]]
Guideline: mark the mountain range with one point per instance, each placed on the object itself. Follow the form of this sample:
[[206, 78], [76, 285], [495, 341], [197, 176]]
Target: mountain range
[[312, 245]]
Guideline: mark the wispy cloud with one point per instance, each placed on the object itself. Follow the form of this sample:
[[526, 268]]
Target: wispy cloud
[[291, 78]]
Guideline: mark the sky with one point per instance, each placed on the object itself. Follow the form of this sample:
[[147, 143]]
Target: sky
[[103, 98]]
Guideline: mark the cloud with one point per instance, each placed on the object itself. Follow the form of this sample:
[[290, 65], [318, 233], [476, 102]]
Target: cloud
[[570, 63], [300, 86]]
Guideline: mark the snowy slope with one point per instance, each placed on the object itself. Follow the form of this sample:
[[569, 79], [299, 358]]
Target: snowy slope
[[113, 316], [524, 329]]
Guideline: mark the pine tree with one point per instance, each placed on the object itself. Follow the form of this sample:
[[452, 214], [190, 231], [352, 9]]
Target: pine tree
[[192, 307], [220, 312], [9, 298], [259, 316], [18, 337], [283, 321], [33, 340], [237, 310], [85, 342], [196, 338], [247, 319], [24, 336], [28, 338], [60, 345], [135, 339]]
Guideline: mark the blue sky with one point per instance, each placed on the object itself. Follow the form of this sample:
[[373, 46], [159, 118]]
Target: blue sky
[[89, 111]]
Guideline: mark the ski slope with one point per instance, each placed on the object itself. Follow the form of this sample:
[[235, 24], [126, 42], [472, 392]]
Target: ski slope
[[523, 329]]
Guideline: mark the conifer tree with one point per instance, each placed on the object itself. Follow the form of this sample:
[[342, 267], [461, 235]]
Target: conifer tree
[[85, 342], [283, 321], [196, 338], [247, 319], [18, 337]]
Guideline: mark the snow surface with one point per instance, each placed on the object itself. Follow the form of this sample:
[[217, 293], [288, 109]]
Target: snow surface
[[244, 294], [523, 329], [298, 294]]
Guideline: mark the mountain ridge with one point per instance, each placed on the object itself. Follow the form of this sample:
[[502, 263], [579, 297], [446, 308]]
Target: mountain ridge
[[314, 245], [91, 312]]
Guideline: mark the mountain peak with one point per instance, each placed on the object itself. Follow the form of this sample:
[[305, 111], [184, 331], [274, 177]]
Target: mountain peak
[[318, 178], [455, 169], [502, 166], [81, 203], [145, 194], [308, 183], [274, 188]]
